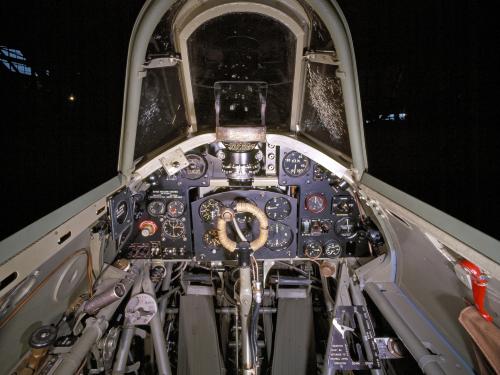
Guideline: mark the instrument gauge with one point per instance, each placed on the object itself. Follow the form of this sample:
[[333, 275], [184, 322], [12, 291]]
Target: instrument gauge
[[316, 203], [280, 236], [174, 228], [175, 208], [295, 164], [197, 167], [346, 227], [333, 249], [156, 208], [278, 208], [211, 238], [210, 209], [343, 205], [313, 249]]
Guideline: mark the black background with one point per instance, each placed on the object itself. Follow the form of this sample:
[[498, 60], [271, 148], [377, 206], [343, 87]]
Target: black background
[[436, 61]]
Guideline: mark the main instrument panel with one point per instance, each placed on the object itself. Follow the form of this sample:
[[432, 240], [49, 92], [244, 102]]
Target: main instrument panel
[[310, 212]]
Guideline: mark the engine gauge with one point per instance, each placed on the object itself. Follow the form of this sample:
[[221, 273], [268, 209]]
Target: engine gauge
[[346, 227], [156, 208], [280, 236], [278, 208], [197, 167], [343, 205], [174, 228], [210, 209], [175, 208], [316, 203], [211, 238], [295, 164], [333, 249], [313, 249]]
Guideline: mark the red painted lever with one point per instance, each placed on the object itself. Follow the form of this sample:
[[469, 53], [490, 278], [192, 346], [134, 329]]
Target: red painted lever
[[479, 285]]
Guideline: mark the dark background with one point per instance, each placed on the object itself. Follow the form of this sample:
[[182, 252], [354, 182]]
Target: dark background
[[437, 62]]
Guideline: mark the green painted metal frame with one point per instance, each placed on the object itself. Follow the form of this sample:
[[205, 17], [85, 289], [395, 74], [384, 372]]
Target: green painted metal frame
[[477, 240], [20, 240]]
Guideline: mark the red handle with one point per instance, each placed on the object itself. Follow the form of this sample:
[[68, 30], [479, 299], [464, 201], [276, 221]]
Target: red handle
[[479, 286]]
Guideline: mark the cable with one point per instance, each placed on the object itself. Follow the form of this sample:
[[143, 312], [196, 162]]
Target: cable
[[238, 230], [30, 295]]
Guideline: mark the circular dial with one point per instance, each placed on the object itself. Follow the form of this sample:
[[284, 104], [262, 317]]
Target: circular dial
[[156, 208], [316, 203], [175, 208], [343, 205], [313, 249], [211, 238], [280, 236], [278, 208], [174, 228], [197, 167], [295, 164], [333, 249], [346, 227], [210, 209]]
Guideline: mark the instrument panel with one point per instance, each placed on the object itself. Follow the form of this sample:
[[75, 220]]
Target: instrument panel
[[280, 208], [310, 215]]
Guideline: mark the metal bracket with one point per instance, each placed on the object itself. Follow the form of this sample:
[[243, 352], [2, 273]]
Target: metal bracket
[[322, 57], [268, 264], [163, 62], [174, 161]]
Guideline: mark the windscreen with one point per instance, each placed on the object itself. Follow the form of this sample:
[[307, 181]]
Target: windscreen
[[243, 47]]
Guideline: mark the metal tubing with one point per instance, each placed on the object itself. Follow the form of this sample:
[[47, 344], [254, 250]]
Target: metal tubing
[[245, 304], [73, 359], [326, 294], [165, 286], [411, 341], [127, 335], [112, 294], [157, 334], [95, 328], [290, 280], [234, 310]]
